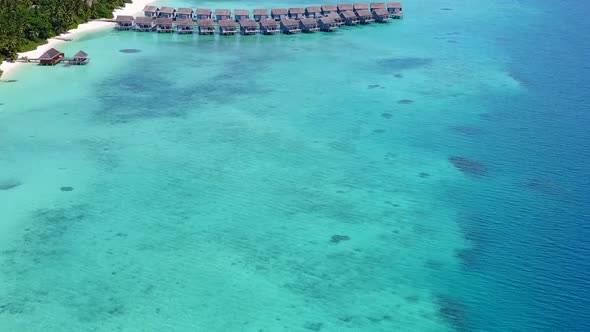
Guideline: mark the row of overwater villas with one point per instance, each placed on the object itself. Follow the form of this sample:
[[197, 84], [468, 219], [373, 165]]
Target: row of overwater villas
[[292, 20]]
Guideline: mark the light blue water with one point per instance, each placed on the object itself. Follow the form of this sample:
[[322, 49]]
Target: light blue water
[[425, 175]]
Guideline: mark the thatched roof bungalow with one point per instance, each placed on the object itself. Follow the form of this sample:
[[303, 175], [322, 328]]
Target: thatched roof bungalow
[[124, 22], [227, 27], [327, 9], [184, 26], [248, 27], [80, 58], [296, 13], [378, 5], [222, 14], [290, 26], [184, 13], [360, 6], [337, 19], [206, 26], [151, 11], [164, 24], [241, 14], [202, 14], [343, 7], [395, 9], [309, 25], [167, 12], [269, 26], [143, 23], [349, 18], [278, 13], [327, 24], [51, 57], [381, 15], [364, 16], [313, 11], [260, 14]]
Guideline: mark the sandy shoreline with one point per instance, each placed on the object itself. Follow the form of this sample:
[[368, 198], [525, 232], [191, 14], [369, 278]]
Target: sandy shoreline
[[134, 8]]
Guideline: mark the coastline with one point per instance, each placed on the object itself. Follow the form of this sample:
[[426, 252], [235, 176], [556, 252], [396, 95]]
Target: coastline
[[9, 68]]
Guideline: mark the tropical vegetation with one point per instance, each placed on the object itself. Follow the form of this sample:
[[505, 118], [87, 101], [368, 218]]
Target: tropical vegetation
[[24, 24]]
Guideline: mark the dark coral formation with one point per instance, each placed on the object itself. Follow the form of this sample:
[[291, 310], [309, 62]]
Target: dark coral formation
[[399, 75], [129, 50], [386, 115], [338, 238], [405, 101], [544, 186], [66, 188], [423, 175], [373, 86], [469, 166], [9, 184], [379, 131], [453, 311], [466, 130]]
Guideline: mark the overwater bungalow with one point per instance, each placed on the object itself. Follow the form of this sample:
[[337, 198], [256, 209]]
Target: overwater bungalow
[[80, 58], [378, 5], [309, 25], [206, 26], [327, 9], [222, 14], [343, 7], [260, 14], [327, 24], [248, 27], [124, 22], [202, 14], [184, 25], [395, 9], [381, 15], [167, 12], [337, 18], [51, 57], [290, 26], [313, 11], [365, 17], [278, 13], [164, 24], [227, 27], [349, 18], [296, 13], [144, 23], [241, 14], [184, 13], [269, 26], [151, 11], [360, 6]]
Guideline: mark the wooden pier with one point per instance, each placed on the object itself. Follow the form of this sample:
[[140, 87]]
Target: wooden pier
[[288, 21]]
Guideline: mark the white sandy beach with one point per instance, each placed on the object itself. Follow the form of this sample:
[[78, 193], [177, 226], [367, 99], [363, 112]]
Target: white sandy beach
[[130, 9]]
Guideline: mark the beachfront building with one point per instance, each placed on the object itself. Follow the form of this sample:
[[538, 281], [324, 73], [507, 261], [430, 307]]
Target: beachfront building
[[51, 57], [202, 14], [378, 5], [248, 27], [167, 12], [227, 27], [184, 13], [80, 58], [327, 9], [260, 14], [395, 9], [151, 11], [343, 7], [327, 24], [381, 15], [349, 18], [364, 16], [337, 18], [278, 13], [206, 26], [313, 11], [184, 25], [309, 25], [124, 22], [290, 26], [269, 26], [241, 14], [360, 6], [164, 24], [222, 14], [296, 13], [144, 23]]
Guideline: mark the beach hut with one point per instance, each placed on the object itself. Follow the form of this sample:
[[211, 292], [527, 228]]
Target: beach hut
[[248, 27], [241, 14], [227, 27], [206, 26], [124, 22], [313, 11], [269, 26], [144, 23], [395, 9], [296, 13], [344, 8], [381, 15], [184, 13], [202, 14], [337, 18], [222, 14], [260, 14], [151, 11], [80, 58], [51, 57], [364, 16], [378, 5], [349, 18], [290, 26], [164, 24], [167, 12], [309, 25], [278, 13], [184, 25], [327, 24], [360, 6], [327, 9]]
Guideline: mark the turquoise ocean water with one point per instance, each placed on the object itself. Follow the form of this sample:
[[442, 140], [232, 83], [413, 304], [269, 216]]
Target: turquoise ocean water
[[425, 175]]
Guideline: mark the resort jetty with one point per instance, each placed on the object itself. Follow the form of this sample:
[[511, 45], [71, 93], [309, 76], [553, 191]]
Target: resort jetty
[[206, 21], [52, 57]]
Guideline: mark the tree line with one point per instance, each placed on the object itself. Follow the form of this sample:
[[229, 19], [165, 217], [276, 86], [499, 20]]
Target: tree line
[[24, 24]]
